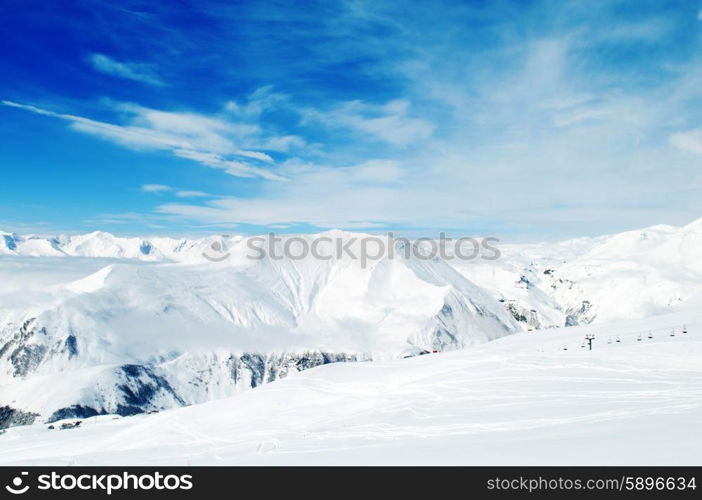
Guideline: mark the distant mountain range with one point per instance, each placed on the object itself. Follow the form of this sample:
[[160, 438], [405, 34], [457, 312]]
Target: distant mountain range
[[98, 324]]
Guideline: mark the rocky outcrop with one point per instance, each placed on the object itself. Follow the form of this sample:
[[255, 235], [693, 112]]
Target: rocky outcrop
[[523, 314], [258, 369], [579, 315], [133, 389], [10, 417]]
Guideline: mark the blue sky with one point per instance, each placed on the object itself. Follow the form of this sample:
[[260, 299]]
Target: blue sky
[[526, 119]]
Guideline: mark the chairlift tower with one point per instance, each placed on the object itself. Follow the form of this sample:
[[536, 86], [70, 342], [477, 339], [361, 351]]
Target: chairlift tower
[[589, 338]]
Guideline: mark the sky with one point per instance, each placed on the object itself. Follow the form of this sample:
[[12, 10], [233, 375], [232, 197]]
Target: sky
[[527, 120]]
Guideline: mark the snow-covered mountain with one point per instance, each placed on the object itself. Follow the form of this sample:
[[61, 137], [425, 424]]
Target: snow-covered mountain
[[629, 275], [97, 324], [519, 400], [127, 335], [102, 244]]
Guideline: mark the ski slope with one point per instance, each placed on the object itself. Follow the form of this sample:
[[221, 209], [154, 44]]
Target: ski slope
[[98, 324], [518, 400]]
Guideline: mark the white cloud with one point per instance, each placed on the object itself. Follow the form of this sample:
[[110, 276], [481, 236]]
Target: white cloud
[[131, 71], [364, 195], [699, 15], [256, 155], [377, 171], [211, 141], [191, 194], [390, 122], [155, 188], [232, 167], [162, 188], [543, 129], [535, 146], [690, 141], [259, 101]]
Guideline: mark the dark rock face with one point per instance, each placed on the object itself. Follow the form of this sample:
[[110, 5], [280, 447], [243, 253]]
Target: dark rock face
[[10, 417], [24, 354], [447, 311], [577, 316], [141, 388], [523, 314], [260, 368], [71, 346], [28, 347], [516, 313], [443, 338], [10, 242], [524, 282], [254, 363], [27, 358], [75, 411], [138, 390]]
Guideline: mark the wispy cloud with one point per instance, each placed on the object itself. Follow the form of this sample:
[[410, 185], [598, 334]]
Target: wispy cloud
[[390, 122], [210, 141], [558, 117], [689, 141], [155, 188], [137, 72], [542, 130], [180, 193], [371, 194], [191, 194], [232, 167]]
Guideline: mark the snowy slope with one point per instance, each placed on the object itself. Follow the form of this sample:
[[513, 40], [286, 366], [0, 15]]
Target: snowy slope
[[100, 324], [629, 275], [135, 336], [521, 399]]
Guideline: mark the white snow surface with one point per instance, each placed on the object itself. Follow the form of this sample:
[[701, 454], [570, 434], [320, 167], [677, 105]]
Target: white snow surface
[[137, 324], [519, 400]]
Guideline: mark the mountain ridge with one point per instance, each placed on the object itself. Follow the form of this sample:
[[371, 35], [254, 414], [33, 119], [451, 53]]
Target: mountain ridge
[[126, 325]]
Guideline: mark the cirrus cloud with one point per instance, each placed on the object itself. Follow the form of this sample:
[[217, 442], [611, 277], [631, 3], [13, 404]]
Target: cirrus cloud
[[137, 72]]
